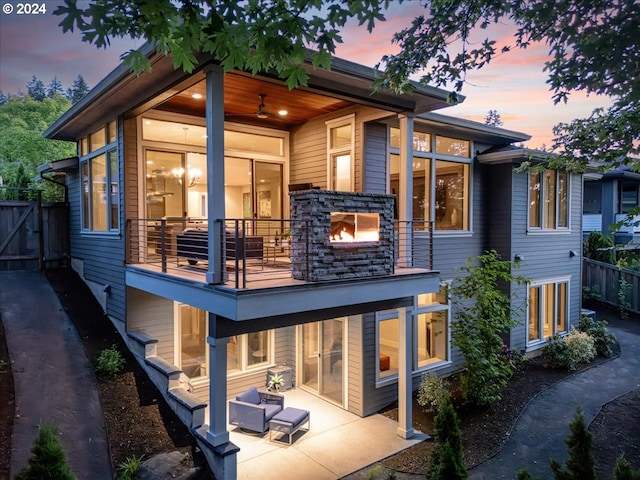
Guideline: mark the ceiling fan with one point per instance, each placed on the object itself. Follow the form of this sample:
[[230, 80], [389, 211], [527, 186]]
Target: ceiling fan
[[261, 112]]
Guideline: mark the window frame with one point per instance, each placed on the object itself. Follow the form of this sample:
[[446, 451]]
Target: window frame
[[333, 153], [112, 203], [433, 157], [542, 307], [245, 368], [415, 317], [541, 213]]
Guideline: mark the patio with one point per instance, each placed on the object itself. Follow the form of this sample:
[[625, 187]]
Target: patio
[[337, 444]]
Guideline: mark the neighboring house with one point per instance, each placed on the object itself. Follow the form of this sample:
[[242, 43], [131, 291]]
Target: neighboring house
[[608, 199], [216, 232]]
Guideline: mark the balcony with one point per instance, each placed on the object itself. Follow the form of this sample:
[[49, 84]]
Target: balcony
[[258, 253]]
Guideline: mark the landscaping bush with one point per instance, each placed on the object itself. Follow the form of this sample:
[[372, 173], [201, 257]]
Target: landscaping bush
[[433, 392], [597, 329], [446, 462], [623, 470], [49, 461], [570, 351], [581, 462], [600, 247], [128, 469], [110, 362]]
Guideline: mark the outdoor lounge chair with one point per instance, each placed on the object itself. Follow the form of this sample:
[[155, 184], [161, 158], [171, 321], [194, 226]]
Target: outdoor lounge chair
[[252, 410]]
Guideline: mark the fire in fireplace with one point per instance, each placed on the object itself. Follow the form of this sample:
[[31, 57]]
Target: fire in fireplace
[[355, 227]]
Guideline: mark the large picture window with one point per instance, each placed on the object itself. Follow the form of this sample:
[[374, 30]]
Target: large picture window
[[249, 351], [548, 200], [440, 180], [430, 328], [548, 310], [100, 183]]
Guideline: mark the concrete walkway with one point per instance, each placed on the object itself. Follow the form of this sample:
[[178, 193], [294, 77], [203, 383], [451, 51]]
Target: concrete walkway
[[540, 431], [54, 381]]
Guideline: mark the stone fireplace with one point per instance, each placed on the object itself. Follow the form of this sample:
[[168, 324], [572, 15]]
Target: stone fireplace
[[340, 235]]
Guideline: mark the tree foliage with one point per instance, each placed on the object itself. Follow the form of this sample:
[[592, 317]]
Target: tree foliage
[[594, 47], [493, 119], [77, 90], [48, 460], [55, 88], [446, 462], [22, 147], [36, 89], [484, 312], [581, 462], [259, 35]]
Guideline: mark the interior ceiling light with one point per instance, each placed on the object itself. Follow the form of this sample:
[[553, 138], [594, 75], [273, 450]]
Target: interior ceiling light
[[197, 96], [282, 113]]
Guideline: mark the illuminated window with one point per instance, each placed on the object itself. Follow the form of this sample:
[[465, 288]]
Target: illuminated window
[[548, 200], [340, 153], [249, 351], [548, 310], [100, 183]]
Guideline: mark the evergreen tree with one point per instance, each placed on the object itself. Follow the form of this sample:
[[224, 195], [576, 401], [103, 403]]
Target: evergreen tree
[[581, 462], [48, 460], [623, 470], [55, 86], [493, 119], [446, 459], [36, 90], [77, 90], [3, 97]]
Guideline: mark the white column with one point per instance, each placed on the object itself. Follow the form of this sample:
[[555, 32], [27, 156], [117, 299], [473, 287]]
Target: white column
[[214, 111], [218, 433], [405, 363], [405, 195]]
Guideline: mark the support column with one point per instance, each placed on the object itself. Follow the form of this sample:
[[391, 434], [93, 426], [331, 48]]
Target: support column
[[405, 364], [218, 433], [214, 111], [405, 195]]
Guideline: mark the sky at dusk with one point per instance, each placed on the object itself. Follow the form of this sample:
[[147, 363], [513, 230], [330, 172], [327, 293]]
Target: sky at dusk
[[514, 84]]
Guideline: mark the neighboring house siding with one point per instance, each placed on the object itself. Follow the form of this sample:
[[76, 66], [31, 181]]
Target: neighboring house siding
[[154, 316]]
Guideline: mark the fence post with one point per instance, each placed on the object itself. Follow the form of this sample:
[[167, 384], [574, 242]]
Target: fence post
[[40, 231]]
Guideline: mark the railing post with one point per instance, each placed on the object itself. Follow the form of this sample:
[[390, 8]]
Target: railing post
[[163, 245]]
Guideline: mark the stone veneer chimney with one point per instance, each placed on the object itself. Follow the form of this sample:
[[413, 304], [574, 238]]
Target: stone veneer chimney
[[314, 257]]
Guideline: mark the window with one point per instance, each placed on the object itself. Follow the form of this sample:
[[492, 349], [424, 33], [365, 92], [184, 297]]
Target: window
[[548, 310], [430, 325], [249, 351], [340, 143], [100, 183], [548, 200], [628, 197], [439, 179]]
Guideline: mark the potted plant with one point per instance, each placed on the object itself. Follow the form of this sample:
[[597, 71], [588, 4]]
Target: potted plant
[[275, 383], [284, 238]]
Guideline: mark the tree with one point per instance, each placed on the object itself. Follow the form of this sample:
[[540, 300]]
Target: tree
[[484, 312], [55, 87], [581, 462], [446, 462], [623, 470], [255, 36], [594, 48], [77, 90], [48, 459], [493, 119], [36, 90], [3, 97]]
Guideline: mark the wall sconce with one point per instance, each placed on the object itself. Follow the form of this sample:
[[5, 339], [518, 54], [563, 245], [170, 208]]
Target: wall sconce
[[573, 253], [519, 258]]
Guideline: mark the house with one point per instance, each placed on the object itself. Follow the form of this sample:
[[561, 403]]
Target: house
[[608, 198], [232, 228]]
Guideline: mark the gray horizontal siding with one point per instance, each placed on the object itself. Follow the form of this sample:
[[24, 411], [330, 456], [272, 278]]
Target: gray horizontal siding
[[154, 316], [375, 158]]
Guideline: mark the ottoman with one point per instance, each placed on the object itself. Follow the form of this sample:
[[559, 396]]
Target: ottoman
[[289, 421]]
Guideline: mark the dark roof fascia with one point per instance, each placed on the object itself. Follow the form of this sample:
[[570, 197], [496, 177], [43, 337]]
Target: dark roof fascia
[[511, 155], [346, 80], [62, 165], [478, 131]]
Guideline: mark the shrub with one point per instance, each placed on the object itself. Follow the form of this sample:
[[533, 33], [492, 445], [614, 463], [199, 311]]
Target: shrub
[[597, 329], [433, 392], [128, 469], [446, 462], [516, 358], [581, 462], [591, 293], [110, 362], [623, 470], [600, 247], [48, 460], [570, 351], [484, 312]]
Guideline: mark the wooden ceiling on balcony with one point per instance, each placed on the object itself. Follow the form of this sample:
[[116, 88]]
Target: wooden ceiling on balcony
[[242, 98]]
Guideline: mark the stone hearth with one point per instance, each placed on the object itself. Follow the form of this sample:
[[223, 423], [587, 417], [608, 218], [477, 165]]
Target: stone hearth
[[314, 257]]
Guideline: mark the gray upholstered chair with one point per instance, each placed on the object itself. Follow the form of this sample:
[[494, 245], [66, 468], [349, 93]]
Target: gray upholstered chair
[[252, 410]]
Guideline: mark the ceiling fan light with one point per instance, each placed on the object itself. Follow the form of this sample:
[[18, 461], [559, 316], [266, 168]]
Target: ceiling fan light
[[262, 115], [282, 113]]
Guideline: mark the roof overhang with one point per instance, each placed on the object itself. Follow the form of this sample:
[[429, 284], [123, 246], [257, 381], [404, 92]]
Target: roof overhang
[[59, 166], [122, 91], [512, 155]]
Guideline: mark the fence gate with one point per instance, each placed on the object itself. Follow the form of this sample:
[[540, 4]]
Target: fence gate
[[33, 235]]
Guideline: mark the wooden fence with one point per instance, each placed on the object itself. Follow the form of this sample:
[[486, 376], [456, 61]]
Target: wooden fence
[[33, 235], [606, 280]]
